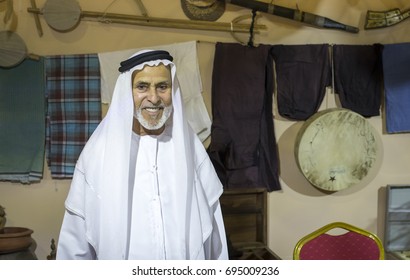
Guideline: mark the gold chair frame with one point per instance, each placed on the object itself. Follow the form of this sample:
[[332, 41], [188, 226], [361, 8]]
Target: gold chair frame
[[345, 226]]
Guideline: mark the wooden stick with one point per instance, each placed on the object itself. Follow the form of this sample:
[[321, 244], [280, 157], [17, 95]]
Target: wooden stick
[[164, 22], [37, 19], [142, 8], [170, 23]]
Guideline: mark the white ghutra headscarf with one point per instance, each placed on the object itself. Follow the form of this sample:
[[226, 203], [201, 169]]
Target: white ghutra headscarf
[[103, 168]]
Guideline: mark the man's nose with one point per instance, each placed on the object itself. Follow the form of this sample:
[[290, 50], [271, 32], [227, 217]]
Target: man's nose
[[153, 96]]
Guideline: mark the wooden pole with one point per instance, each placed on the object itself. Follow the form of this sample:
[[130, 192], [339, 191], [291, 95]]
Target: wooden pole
[[36, 19], [165, 22], [142, 8]]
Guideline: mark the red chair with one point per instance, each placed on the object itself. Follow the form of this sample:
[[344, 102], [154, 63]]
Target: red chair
[[351, 244]]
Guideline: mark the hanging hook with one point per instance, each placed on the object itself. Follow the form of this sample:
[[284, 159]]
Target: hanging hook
[[250, 42], [103, 18], [254, 17]]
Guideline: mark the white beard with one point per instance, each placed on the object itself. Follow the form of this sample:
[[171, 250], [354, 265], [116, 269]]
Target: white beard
[[153, 126]]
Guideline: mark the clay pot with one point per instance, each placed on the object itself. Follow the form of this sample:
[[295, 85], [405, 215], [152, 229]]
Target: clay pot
[[14, 239]]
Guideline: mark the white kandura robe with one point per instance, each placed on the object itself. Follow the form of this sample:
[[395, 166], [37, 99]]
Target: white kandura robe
[[108, 217], [151, 226]]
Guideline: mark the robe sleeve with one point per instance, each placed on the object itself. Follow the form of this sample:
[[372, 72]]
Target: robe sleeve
[[215, 245], [73, 242], [219, 234]]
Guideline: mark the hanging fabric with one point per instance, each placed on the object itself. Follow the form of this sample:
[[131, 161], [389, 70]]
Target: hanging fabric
[[396, 60], [243, 145], [358, 77], [74, 108], [302, 74], [22, 122]]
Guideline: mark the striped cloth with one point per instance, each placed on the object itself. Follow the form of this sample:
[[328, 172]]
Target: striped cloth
[[22, 125], [74, 108]]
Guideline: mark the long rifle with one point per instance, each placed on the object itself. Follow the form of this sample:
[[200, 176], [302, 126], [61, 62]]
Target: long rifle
[[305, 17], [388, 18]]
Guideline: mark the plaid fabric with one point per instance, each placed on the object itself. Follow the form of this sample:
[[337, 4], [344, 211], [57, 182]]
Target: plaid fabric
[[74, 109]]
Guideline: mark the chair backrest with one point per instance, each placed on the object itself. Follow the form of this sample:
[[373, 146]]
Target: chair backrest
[[352, 244]]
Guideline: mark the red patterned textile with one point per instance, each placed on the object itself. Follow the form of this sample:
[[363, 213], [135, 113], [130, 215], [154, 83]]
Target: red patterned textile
[[348, 246]]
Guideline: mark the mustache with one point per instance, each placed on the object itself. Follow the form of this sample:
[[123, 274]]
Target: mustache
[[152, 106]]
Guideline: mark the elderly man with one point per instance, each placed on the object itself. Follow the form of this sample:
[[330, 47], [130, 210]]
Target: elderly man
[[144, 186]]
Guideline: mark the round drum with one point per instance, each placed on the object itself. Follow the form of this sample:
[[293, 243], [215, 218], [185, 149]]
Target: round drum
[[335, 149], [62, 15]]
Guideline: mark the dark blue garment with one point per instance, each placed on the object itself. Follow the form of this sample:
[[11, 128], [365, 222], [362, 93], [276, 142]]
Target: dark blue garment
[[396, 61], [302, 74], [358, 77]]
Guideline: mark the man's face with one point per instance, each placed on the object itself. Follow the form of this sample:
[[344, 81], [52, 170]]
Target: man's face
[[152, 94]]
